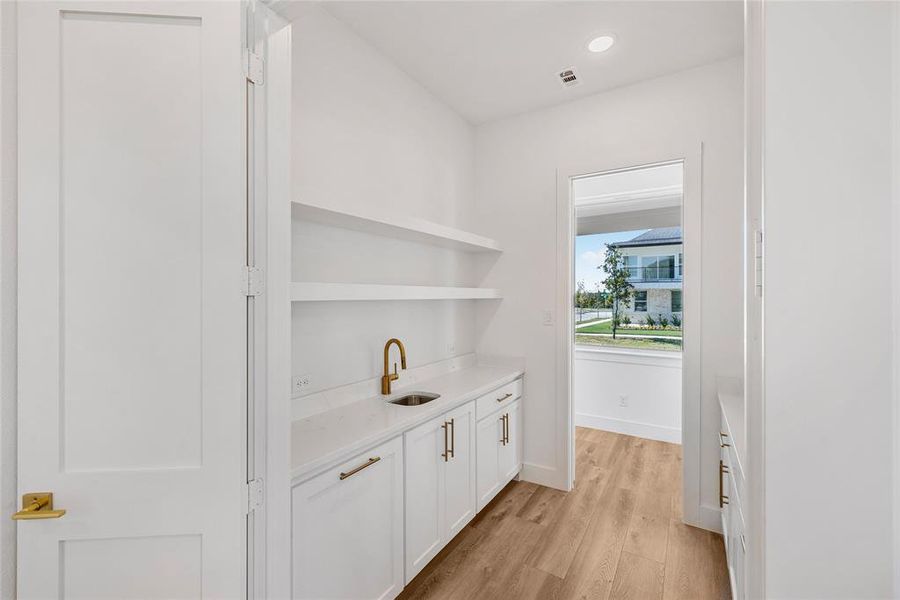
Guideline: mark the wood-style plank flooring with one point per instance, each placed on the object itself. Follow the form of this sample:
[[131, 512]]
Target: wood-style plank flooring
[[618, 535]]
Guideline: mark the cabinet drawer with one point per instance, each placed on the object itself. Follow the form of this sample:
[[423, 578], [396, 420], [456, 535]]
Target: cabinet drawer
[[498, 398]]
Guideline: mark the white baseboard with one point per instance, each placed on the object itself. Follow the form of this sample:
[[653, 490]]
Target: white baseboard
[[644, 430], [542, 475]]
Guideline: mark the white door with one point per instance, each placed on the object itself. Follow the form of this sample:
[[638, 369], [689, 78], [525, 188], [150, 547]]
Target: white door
[[347, 533], [425, 449], [459, 471], [510, 461], [489, 434], [132, 320]]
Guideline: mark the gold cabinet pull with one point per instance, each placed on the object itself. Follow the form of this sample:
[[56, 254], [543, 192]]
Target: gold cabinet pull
[[38, 505], [503, 429], [504, 397], [356, 470], [722, 442], [446, 453], [452, 438], [723, 499], [507, 428]]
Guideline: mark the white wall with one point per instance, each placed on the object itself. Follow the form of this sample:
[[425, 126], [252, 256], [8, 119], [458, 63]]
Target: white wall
[[368, 136], [517, 159], [8, 325], [828, 392], [650, 383]]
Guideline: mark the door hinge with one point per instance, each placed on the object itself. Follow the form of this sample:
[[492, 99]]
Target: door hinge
[[758, 262], [256, 495], [254, 281], [254, 68]]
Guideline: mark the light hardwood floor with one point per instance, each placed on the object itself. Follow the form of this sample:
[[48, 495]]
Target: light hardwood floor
[[617, 535]]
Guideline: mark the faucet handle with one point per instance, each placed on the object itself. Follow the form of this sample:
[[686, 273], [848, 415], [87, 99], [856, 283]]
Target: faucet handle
[[396, 375]]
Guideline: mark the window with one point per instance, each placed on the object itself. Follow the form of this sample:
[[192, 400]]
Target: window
[[640, 302], [631, 263], [676, 300]]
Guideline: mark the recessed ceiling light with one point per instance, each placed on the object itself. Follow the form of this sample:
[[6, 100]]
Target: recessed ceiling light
[[602, 43]]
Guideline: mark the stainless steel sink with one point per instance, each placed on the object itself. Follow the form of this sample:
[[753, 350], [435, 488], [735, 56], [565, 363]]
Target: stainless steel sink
[[415, 399]]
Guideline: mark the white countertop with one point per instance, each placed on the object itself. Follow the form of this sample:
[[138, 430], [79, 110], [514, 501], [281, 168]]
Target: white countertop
[[322, 440]]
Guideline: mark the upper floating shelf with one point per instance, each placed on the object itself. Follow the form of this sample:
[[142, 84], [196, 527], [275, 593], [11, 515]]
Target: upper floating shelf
[[328, 292], [397, 226]]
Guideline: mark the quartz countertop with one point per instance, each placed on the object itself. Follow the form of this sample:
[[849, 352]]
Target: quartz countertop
[[322, 440]]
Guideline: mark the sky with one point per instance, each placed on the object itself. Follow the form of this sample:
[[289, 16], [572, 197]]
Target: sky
[[589, 253]]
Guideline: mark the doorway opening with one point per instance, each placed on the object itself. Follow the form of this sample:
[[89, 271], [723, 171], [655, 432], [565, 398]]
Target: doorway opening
[[655, 189]]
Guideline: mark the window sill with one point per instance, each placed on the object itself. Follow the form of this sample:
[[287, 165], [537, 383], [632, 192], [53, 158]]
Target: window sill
[[629, 356]]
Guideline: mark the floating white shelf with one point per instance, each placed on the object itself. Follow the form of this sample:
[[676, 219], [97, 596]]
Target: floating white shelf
[[396, 226], [323, 292]]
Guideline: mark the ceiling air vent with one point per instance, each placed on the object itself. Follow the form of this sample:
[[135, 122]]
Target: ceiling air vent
[[568, 77]]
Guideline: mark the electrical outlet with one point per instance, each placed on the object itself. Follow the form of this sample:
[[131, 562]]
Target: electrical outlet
[[451, 349], [300, 383], [548, 317], [623, 400]]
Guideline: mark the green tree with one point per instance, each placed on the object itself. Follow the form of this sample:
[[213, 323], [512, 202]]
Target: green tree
[[618, 289]]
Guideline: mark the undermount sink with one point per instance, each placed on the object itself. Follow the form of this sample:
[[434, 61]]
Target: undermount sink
[[415, 399]]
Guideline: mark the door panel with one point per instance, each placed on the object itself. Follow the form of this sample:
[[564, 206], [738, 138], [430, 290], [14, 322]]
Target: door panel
[[488, 481], [424, 494], [459, 493], [131, 225], [132, 323], [348, 533], [510, 453]]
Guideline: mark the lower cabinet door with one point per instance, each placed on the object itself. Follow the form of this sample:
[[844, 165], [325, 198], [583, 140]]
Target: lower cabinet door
[[489, 433], [510, 459], [459, 478], [424, 492], [347, 528]]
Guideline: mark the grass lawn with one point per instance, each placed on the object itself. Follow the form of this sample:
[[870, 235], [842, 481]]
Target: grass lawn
[[673, 345], [607, 328]]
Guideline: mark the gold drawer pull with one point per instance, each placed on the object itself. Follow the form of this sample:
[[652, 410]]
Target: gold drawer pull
[[722, 442], [38, 505], [504, 397], [368, 463]]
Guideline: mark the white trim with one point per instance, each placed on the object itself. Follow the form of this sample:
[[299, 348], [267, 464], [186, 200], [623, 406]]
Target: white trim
[[754, 505], [635, 428], [671, 360], [895, 93], [690, 154], [277, 425]]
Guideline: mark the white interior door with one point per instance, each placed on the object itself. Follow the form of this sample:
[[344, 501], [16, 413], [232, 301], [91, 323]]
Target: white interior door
[[132, 320]]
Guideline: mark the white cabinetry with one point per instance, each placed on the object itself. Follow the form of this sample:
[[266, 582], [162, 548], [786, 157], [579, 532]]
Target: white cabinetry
[[499, 447], [348, 528], [440, 484], [731, 490]]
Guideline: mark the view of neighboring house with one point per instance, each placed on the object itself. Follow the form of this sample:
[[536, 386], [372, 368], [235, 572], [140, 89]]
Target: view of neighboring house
[[654, 260]]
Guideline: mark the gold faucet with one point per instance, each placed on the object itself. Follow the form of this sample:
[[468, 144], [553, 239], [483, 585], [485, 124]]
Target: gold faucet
[[388, 376]]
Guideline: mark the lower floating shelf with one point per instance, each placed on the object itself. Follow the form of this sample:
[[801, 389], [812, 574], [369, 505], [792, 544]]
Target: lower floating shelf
[[326, 292]]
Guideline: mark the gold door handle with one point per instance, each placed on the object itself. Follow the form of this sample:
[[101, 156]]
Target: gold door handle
[[722, 442], [356, 470], [452, 438], [38, 505], [503, 429], [446, 453]]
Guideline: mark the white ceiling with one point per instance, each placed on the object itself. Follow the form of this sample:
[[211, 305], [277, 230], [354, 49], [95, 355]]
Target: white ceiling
[[492, 59]]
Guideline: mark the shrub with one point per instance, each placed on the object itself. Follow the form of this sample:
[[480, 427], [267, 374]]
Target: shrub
[[650, 321], [676, 321], [625, 320], [663, 321]]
